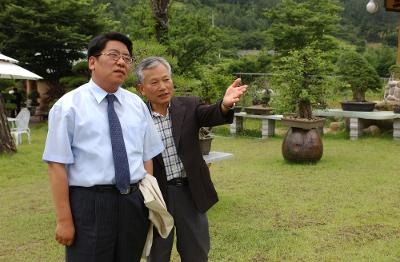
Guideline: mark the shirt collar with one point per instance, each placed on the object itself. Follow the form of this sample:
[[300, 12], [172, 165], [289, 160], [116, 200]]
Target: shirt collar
[[155, 114], [99, 93]]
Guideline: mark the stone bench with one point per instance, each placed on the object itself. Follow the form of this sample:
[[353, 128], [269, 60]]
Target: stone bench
[[214, 156], [355, 117], [267, 123]]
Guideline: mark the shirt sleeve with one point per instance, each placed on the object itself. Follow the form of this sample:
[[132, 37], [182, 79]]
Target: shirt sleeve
[[153, 144], [59, 137]]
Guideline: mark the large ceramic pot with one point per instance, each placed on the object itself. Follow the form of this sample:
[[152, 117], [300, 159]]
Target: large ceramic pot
[[358, 106], [302, 145]]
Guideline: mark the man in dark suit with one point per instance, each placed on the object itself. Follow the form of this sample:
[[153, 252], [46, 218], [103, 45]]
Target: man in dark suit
[[182, 174]]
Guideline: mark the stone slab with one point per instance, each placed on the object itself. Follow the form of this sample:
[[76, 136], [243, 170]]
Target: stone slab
[[356, 126], [273, 117], [376, 115], [215, 156]]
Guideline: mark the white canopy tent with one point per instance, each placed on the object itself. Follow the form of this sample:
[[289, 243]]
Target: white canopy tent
[[8, 59], [10, 70], [13, 71]]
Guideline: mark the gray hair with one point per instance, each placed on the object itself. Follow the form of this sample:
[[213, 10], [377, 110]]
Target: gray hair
[[150, 62]]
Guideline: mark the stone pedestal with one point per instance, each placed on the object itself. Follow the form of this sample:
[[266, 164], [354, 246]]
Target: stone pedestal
[[356, 128], [267, 123], [396, 128], [267, 128], [357, 119], [237, 125]]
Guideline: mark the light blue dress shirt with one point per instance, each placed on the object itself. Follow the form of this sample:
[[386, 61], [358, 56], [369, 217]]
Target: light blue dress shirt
[[79, 135]]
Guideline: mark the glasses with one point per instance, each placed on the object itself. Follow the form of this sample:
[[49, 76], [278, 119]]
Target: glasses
[[116, 56]]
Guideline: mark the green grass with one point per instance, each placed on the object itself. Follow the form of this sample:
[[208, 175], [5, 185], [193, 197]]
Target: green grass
[[344, 208]]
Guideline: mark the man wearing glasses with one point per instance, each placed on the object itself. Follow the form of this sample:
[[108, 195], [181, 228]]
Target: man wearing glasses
[[100, 143]]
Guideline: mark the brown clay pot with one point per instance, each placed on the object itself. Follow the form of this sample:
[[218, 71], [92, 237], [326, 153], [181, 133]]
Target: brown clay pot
[[258, 110], [205, 145], [396, 109], [301, 145], [358, 106]]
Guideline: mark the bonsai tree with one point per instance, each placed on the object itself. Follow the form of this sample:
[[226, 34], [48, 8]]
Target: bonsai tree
[[205, 133], [357, 74], [302, 80], [260, 92]]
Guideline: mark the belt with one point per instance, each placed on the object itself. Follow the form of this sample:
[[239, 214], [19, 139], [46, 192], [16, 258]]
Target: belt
[[180, 181], [111, 188]]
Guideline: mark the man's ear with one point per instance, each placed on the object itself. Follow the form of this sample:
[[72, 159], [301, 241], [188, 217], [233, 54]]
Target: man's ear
[[91, 62], [140, 88]]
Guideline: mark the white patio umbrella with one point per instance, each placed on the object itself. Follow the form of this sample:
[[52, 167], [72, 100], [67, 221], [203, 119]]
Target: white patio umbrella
[[13, 71], [10, 70], [8, 59]]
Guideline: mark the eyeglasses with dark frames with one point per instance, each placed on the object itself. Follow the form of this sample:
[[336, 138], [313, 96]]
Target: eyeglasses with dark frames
[[116, 56]]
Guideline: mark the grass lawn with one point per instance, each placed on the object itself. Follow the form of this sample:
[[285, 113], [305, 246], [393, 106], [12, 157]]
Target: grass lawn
[[344, 208]]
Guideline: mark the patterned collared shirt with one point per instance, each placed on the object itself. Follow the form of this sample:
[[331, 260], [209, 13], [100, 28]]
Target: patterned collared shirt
[[173, 164]]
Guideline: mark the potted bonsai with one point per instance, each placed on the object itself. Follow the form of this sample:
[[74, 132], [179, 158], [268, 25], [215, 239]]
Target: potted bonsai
[[359, 76], [261, 96], [301, 80], [205, 139]]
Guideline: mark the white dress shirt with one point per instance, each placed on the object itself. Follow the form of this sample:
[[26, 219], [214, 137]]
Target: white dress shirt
[[79, 135]]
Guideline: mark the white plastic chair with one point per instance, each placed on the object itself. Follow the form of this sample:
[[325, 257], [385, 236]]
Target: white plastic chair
[[22, 126]]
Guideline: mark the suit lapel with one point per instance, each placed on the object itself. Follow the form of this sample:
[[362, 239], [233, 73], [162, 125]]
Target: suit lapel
[[177, 116]]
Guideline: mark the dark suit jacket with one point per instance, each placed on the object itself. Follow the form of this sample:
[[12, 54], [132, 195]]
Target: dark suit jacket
[[188, 114]]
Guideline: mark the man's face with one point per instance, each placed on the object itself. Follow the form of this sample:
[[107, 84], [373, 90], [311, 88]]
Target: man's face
[[107, 72], [157, 85]]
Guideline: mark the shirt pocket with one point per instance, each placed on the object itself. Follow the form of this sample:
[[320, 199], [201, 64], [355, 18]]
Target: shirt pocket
[[134, 138]]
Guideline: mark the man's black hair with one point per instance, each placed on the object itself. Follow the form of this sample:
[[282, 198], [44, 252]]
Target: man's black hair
[[98, 43]]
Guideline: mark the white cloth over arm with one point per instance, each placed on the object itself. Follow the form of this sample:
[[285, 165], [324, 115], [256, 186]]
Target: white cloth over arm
[[158, 214]]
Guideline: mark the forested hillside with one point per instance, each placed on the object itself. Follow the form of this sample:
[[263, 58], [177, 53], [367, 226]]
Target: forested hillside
[[208, 42], [357, 24], [242, 25]]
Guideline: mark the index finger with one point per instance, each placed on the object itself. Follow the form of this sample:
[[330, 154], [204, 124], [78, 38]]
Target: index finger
[[237, 82]]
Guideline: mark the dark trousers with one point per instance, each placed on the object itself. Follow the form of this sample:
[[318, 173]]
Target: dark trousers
[[109, 227], [192, 235]]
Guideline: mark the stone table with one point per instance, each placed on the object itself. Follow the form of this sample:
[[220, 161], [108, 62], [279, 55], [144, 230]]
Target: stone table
[[356, 125]]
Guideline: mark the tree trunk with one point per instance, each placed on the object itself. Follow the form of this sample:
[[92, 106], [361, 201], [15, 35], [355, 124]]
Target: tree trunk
[[160, 12], [305, 110], [7, 144], [358, 96]]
